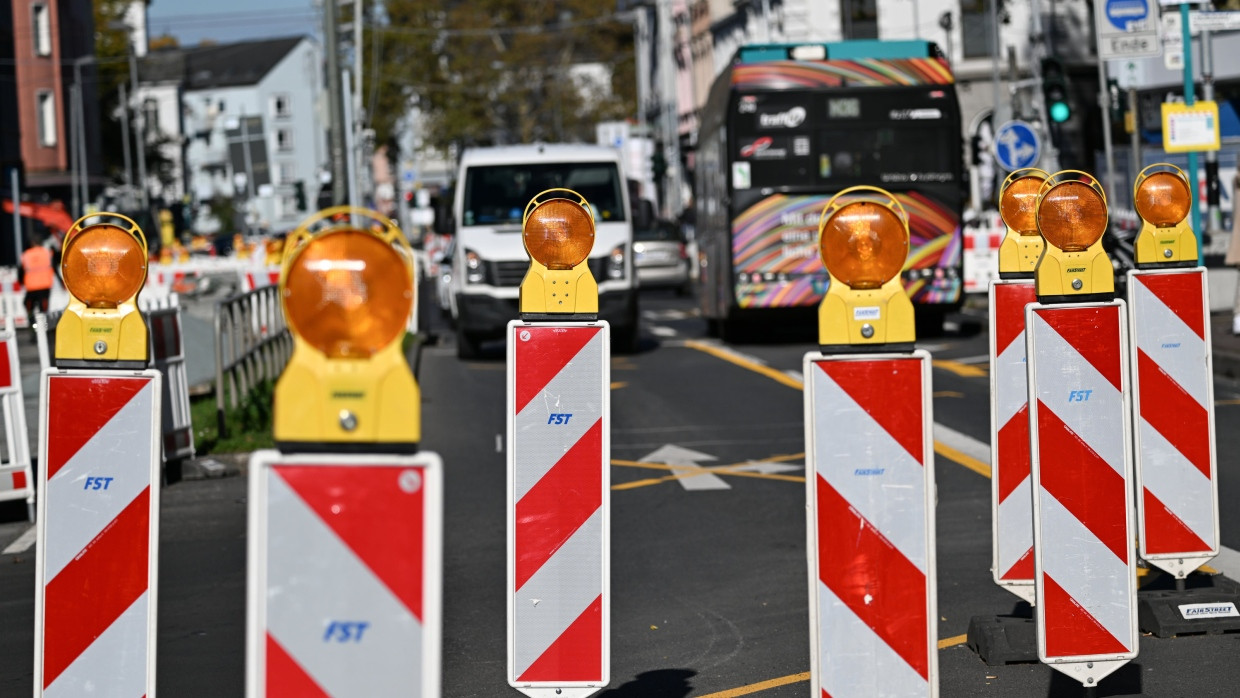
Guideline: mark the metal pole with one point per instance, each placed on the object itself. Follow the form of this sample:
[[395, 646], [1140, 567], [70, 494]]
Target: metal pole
[[249, 163], [1134, 156], [83, 161], [350, 149], [15, 192], [1000, 110], [1213, 215], [139, 134], [641, 42], [1104, 101], [335, 101], [1189, 99], [671, 132], [124, 104], [74, 190]]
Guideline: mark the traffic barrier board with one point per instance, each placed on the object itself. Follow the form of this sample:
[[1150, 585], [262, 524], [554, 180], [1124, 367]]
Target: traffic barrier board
[[168, 357], [559, 448], [16, 481], [873, 604], [98, 534], [1173, 396], [344, 575], [1011, 499], [1081, 458]]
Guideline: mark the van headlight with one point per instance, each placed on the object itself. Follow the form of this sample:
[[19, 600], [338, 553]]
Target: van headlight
[[475, 272], [615, 262]]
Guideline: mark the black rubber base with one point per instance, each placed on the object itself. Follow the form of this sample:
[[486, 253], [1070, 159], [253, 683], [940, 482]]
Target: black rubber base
[[1000, 640], [1158, 608]]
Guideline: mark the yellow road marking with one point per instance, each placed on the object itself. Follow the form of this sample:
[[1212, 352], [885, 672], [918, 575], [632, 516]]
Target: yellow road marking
[[1227, 402], [948, 393], [964, 370], [952, 641], [939, 447], [761, 686], [616, 385]]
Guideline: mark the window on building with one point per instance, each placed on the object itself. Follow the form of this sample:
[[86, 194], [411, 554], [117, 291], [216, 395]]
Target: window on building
[[41, 23], [45, 102], [286, 172], [860, 18], [280, 106], [150, 118], [976, 31], [284, 140]]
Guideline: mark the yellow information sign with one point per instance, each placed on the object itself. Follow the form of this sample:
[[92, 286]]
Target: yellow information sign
[[1190, 129]]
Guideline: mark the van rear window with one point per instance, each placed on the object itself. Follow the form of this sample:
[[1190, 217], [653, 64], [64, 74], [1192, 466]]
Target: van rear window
[[498, 194]]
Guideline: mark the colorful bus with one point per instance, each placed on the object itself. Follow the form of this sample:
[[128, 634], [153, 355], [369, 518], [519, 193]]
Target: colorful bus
[[787, 126]]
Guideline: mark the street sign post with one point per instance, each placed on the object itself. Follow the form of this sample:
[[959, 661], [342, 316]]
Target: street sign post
[[870, 465], [559, 445]]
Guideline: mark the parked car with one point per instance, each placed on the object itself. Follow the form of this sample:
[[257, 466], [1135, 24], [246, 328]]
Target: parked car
[[659, 256]]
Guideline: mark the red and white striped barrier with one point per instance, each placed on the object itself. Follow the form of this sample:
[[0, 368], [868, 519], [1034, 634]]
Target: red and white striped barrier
[[559, 448], [98, 534], [1084, 562], [980, 257], [1011, 499], [870, 502], [344, 575], [257, 277], [16, 480], [1173, 403]]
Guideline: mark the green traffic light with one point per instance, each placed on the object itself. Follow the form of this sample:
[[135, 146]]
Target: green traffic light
[[1060, 112]]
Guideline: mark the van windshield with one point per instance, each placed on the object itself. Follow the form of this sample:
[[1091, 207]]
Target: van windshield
[[498, 194]]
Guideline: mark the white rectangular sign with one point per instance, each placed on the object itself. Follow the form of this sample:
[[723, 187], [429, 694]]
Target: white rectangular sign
[[1192, 611], [1123, 34]]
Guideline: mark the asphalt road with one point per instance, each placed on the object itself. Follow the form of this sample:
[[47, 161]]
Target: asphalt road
[[708, 571]]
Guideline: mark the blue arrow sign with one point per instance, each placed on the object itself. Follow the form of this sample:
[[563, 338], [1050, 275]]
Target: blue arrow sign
[[1121, 12], [1017, 145]]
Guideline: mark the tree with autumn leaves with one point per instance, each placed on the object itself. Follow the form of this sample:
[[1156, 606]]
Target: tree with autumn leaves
[[485, 72]]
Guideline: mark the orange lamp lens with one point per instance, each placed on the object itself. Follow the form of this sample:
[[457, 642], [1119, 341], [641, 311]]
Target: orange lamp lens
[[103, 265], [1163, 199], [1018, 205], [864, 245], [559, 234], [1072, 216], [348, 293]]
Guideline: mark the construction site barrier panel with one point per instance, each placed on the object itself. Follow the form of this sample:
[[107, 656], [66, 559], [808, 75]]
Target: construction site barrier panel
[[16, 479]]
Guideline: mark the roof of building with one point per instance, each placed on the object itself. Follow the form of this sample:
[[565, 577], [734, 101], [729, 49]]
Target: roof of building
[[218, 65]]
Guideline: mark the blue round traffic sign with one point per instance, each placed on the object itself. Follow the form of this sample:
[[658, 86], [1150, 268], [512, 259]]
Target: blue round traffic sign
[[1017, 145], [1120, 12]]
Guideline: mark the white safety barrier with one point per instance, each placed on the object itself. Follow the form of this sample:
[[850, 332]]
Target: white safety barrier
[[252, 344], [16, 481], [345, 575], [870, 519], [980, 256], [13, 298], [1011, 499], [98, 532], [252, 277], [167, 346], [559, 566], [1081, 457], [1173, 403]]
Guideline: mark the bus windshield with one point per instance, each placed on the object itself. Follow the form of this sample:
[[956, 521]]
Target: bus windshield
[[498, 194]]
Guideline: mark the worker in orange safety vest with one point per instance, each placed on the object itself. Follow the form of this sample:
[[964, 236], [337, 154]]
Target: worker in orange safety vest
[[37, 275]]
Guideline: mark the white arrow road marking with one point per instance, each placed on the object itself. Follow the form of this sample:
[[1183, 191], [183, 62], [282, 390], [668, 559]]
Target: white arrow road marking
[[692, 475], [767, 467], [23, 543]]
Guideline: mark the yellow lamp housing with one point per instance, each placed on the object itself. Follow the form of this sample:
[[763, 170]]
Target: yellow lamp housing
[[103, 266], [558, 232], [347, 290], [863, 239], [1163, 200], [1072, 217], [1022, 244]]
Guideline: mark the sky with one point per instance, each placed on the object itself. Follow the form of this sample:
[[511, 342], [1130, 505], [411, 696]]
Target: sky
[[192, 21]]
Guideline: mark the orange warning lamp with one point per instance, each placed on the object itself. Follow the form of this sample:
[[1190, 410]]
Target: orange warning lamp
[[558, 232], [347, 292], [863, 238], [1072, 217], [1163, 200], [1022, 245], [104, 268]]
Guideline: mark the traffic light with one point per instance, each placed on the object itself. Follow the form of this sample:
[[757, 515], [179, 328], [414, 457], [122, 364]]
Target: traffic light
[[104, 267], [1055, 91], [299, 191], [658, 164], [863, 239], [346, 284]]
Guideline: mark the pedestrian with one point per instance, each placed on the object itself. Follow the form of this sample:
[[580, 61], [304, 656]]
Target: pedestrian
[[1233, 257], [37, 276]]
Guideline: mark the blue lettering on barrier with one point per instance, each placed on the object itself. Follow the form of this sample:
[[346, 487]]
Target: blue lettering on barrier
[[1079, 395], [869, 471], [342, 631], [1171, 345], [98, 483], [558, 418]]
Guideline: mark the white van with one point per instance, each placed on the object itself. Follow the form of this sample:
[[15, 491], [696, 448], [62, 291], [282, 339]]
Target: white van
[[489, 261]]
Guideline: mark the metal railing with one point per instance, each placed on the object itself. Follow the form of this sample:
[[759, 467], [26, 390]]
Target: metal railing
[[252, 344]]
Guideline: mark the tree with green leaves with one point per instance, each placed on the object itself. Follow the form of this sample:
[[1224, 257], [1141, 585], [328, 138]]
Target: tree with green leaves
[[498, 71]]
